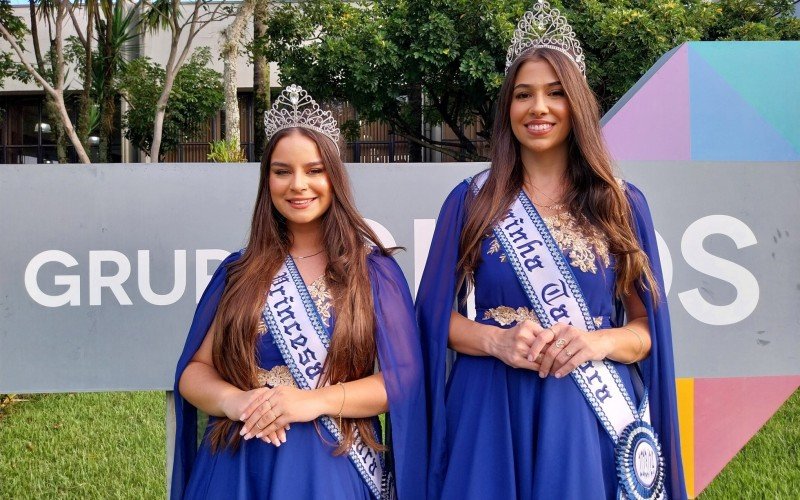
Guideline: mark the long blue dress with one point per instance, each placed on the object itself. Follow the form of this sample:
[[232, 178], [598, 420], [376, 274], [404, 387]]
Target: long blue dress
[[501, 432], [304, 467]]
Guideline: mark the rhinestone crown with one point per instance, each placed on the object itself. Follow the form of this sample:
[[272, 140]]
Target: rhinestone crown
[[295, 107], [544, 27]]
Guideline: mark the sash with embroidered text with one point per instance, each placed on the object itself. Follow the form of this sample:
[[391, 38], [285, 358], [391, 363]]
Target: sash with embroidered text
[[292, 317], [556, 296]]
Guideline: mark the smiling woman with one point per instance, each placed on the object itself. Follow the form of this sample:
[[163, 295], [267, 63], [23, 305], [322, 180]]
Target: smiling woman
[[283, 350], [568, 297]]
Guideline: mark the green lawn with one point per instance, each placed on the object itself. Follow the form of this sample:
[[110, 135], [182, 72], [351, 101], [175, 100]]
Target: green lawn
[[97, 445], [111, 445]]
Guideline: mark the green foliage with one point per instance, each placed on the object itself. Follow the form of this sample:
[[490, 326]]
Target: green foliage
[[114, 36], [377, 54], [195, 97], [9, 66], [226, 151], [380, 55]]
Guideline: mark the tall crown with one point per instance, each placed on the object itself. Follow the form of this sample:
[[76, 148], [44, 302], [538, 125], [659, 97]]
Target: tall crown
[[295, 107], [544, 27]]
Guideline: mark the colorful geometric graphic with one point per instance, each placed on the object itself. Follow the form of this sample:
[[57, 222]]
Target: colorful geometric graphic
[[716, 101], [712, 101]]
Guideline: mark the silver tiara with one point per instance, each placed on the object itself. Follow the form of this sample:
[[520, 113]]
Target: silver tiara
[[295, 107], [544, 27]]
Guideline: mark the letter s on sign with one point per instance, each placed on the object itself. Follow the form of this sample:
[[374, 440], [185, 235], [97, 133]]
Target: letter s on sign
[[747, 291], [73, 294]]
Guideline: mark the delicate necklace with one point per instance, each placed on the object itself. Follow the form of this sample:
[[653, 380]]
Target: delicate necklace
[[307, 256], [555, 205]]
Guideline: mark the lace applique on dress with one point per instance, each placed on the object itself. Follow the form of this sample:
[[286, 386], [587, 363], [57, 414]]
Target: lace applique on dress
[[505, 315], [277, 375], [494, 247], [584, 242], [322, 298]]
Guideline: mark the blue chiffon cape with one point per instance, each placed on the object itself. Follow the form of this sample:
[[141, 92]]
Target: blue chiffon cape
[[400, 359], [479, 445]]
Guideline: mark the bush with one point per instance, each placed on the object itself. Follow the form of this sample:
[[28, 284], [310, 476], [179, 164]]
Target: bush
[[226, 151]]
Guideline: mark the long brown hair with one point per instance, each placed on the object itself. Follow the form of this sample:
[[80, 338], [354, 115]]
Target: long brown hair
[[352, 351], [592, 190]]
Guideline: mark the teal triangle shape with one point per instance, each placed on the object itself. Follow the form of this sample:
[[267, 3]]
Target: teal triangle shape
[[765, 74], [724, 126]]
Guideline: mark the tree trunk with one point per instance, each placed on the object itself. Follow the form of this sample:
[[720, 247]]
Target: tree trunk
[[415, 103], [261, 77], [232, 37], [70, 130], [158, 123], [86, 104], [108, 101]]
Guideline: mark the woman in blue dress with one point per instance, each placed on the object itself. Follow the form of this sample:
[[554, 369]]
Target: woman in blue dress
[[291, 385], [509, 418]]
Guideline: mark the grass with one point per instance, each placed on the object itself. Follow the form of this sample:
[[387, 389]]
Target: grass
[[112, 445], [95, 445]]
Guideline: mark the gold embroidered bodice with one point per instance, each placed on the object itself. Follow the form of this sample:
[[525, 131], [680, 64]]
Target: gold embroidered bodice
[[505, 316], [584, 243], [280, 374]]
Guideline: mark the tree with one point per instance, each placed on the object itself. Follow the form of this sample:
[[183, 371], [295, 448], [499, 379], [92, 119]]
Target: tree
[[397, 60], [261, 80], [184, 22], [232, 37], [51, 80], [195, 96], [116, 29], [382, 56], [115, 25]]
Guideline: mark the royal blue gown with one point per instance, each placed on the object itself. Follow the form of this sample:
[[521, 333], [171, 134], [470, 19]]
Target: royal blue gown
[[304, 467], [501, 432]]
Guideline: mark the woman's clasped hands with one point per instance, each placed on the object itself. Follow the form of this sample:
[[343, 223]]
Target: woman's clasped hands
[[556, 350], [267, 413]]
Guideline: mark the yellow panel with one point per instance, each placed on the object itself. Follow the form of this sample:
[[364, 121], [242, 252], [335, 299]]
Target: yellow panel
[[685, 387]]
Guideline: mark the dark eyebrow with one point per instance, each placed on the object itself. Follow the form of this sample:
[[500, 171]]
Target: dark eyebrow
[[281, 164], [551, 84]]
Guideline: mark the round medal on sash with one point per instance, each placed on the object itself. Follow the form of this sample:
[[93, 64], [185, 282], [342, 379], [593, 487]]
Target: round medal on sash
[[640, 466]]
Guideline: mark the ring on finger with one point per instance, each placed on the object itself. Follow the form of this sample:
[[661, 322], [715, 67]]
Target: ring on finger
[[568, 352], [259, 426], [560, 343]]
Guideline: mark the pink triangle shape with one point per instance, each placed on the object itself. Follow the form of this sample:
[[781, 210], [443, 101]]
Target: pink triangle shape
[[727, 413], [655, 123]]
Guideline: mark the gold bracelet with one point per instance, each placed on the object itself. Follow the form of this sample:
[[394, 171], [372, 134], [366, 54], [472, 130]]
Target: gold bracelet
[[341, 408], [641, 342]]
